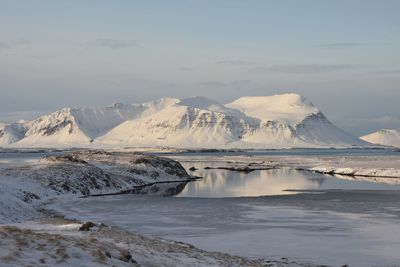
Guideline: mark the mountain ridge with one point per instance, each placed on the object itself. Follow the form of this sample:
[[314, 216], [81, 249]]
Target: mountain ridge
[[278, 121]]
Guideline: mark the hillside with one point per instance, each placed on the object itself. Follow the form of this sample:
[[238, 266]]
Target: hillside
[[387, 137], [279, 121]]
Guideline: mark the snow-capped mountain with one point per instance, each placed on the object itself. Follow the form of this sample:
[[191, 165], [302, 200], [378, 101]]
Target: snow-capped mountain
[[386, 137], [12, 132], [280, 121], [80, 126]]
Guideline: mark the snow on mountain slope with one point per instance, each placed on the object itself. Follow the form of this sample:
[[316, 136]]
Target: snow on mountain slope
[[287, 108], [387, 137], [97, 121], [290, 120], [280, 121], [317, 129], [12, 132], [313, 131], [201, 102], [79, 126], [179, 126]]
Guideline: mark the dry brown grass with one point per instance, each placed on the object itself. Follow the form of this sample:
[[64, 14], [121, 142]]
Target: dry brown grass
[[51, 249]]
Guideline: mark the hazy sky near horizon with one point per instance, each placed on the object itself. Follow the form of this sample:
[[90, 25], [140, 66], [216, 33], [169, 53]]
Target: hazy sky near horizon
[[344, 55]]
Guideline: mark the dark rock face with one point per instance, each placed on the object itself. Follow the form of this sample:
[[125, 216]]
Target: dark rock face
[[66, 158], [77, 178], [14, 132], [169, 166], [28, 197], [126, 256], [86, 226], [51, 129]]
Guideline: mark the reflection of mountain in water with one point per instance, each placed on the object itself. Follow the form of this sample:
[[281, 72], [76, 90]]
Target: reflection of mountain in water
[[317, 180], [224, 183]]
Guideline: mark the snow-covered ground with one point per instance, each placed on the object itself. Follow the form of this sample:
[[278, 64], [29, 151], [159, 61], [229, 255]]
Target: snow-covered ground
[[25, 184], [57, 242]]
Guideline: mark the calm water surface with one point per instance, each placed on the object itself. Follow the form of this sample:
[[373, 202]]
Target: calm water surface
[[283, 181]]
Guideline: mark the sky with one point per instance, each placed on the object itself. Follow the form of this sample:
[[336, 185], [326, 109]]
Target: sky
[[343, 55]]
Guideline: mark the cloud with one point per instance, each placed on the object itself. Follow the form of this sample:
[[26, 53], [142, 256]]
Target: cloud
[[4, 45], [386, 72], [343, 45], [12, 44], [41, 57], [7, 117], [291, 68], [115, 44], [186, 69], [236, 62], [308, 68], [363, 126], [235, 84], [386, 120]]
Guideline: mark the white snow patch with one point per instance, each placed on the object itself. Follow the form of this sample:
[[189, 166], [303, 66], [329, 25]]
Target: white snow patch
[[386, 137]]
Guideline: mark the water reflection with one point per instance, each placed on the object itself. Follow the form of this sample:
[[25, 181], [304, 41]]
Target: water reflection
[[224, 183], [227, 183]]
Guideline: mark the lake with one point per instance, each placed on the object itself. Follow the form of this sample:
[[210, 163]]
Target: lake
[[303, 216]]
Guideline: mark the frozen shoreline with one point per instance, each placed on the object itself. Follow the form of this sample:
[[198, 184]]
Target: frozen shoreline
[[363, 166], [29, 236]]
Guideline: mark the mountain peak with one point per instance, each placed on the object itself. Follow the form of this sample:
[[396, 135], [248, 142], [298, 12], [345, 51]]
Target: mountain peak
[[117, 105], [199, 102], [386, 137], [161, 102], [282, 100], [276, 121], [292, 108]]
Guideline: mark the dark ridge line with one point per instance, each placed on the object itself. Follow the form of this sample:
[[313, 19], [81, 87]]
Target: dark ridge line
[[139, 187]]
